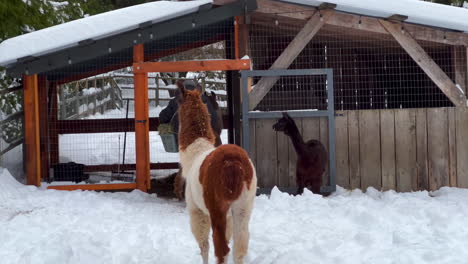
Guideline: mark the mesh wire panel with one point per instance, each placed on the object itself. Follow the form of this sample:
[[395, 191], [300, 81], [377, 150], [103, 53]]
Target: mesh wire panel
[[11, 130], [91, 106], [371, 70], [296, 93]]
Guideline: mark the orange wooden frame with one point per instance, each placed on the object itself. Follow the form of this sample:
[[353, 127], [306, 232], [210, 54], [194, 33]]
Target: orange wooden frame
[[31, 130], [94, 187], [141, 122], [186, 66]]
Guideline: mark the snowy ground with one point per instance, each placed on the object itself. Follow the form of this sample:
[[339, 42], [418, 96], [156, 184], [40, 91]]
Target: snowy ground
[[47, 226]]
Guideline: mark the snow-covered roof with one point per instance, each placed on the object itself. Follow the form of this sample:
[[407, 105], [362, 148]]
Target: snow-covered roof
[[418, 12], [95, 27]]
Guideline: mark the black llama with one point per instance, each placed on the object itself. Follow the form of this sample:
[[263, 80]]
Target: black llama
[[312, 158]]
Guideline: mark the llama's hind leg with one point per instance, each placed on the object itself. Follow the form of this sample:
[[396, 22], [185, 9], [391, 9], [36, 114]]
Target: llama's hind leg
[[220, 233], [200, 224], [241, 213]]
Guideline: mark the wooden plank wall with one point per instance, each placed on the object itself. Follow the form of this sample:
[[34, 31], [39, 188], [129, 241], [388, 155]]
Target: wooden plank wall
[[398, 149]]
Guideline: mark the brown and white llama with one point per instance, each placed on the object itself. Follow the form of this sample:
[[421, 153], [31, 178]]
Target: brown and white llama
[[220, 182], [179, 182], [312, 156]]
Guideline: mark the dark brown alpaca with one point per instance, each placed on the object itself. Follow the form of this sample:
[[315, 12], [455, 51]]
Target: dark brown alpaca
[[312, 157]]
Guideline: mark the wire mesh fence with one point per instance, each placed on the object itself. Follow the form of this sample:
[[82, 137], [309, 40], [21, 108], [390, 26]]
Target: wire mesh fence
[[11, 130], [371, 70], [88, 111]]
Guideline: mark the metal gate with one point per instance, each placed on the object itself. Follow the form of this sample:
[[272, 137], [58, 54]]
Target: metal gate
[[301, 100]]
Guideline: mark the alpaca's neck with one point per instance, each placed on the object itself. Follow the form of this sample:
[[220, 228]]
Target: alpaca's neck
[[296, 138], [193, 128]]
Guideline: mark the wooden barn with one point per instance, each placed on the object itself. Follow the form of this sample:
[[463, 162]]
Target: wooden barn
[[383, 87], [399, 84]]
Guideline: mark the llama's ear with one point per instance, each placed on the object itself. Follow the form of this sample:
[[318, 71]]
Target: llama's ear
[[285, 115], [213, 93], [180, 93]]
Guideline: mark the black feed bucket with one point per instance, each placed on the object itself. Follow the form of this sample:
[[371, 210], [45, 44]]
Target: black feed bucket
[[70, 171]]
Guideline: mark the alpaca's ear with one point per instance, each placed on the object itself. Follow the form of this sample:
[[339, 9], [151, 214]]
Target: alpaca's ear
[[180, 93], [213, 93], [285, 115]]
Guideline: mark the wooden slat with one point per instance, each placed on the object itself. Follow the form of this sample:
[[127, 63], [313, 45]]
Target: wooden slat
[[342, 158], [369, 147], [31, 130], [353, 140], [266, 153], [417, 53], [405, 149], [289, 55], [421, 150], [94, 187], [111, 125], [387, 138], [186, 66], [129, 167], [141, 122], [293, 157], [452, 147], [462, 146], [437, 149]]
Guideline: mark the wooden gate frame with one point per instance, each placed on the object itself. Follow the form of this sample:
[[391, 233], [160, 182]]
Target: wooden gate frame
[[248, 113]]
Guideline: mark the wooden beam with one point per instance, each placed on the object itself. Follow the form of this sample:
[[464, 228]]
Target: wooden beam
[[31, 130], [141, 121], [186, 66], [289, 55], [460, 66], [94, 187], [129, 167], [345, 20], [90, 126], [437, 75]]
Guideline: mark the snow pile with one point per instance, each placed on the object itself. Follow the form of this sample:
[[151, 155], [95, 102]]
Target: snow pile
[[41, 226]]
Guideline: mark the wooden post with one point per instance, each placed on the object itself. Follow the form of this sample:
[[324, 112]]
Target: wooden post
[[141, 122], [31, 130], [433, 71]]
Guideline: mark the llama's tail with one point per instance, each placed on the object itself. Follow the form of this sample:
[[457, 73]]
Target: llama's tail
[[232, 179]]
